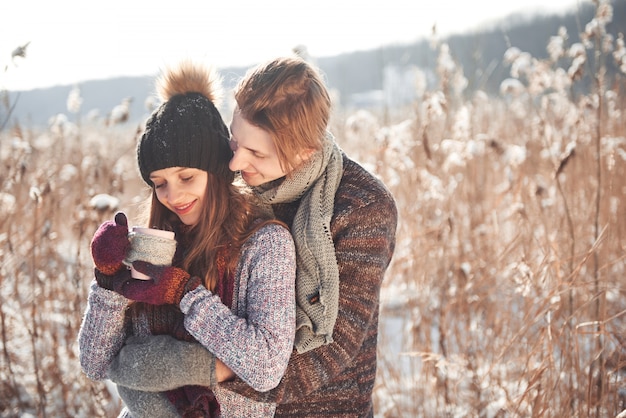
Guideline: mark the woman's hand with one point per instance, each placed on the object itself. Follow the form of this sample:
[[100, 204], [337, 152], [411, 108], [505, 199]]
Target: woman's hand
[[167, 285], [109, 245], [114, 281]]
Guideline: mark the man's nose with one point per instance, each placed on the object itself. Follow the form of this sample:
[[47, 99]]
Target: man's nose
[[237, 163]]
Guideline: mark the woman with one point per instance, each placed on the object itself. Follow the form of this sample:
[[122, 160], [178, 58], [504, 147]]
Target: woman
[[230, 286]]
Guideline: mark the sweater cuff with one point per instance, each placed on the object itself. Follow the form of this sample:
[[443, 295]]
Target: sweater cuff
[[192, 296], [105, 297]]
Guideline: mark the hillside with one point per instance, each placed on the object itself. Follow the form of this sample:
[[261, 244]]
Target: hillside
[[478, 53]]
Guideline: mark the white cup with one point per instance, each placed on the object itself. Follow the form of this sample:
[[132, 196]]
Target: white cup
[[161, 250]]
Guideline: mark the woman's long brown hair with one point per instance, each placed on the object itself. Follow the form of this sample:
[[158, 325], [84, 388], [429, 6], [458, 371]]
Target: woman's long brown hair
[[229, 217]]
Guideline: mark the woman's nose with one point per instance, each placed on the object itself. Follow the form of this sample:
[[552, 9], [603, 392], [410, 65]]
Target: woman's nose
[[173, 194]]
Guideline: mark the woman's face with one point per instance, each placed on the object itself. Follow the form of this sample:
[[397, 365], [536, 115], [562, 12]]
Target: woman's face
[[254, 153], [182, 190]]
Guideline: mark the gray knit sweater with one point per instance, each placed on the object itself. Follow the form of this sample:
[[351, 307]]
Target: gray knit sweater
[[254, 338]]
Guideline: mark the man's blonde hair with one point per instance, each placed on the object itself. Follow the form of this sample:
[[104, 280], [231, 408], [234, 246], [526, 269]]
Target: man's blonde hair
[[287, 98]]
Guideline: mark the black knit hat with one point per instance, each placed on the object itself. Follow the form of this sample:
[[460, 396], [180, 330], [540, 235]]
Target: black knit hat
[[185, 131]]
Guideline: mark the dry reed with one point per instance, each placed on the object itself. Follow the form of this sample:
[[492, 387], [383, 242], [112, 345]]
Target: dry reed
[[505, 297]]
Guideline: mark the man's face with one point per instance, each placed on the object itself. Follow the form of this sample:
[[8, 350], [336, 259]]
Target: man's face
[[254, 153]]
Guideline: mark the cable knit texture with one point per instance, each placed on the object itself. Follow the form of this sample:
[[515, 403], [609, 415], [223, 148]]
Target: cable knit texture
[[337, 379], [254, 338]]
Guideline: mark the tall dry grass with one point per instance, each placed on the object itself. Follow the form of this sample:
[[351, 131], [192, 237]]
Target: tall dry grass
[[505, 297], [47, 183], [506, 294]]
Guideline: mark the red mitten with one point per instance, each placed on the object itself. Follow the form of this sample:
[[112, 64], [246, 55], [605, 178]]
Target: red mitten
[[167, 285], [109, 245]]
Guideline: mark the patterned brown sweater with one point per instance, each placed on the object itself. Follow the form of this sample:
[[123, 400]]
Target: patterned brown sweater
[[337, 379]]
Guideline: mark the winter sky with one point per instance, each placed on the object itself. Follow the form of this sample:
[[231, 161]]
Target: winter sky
[[76, 40]]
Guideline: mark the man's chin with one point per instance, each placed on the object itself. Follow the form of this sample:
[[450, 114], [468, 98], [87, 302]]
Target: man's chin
[[251, 179]]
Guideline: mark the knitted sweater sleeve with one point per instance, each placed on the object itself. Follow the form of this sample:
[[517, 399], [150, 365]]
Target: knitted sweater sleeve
[[102, 332], [363, 229], [255, 339]]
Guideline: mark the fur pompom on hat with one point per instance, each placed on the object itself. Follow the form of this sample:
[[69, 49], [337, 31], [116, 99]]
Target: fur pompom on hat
[[186, 130]]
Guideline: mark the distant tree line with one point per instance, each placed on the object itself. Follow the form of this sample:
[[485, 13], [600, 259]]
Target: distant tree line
[[479, 53]]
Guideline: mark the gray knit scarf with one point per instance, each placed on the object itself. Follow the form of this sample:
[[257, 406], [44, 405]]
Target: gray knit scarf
[[317, 275]]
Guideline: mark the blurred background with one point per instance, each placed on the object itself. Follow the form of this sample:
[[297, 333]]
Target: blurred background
[[499, 129]]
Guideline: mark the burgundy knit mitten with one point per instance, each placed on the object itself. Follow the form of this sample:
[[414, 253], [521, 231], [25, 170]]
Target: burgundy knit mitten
[[194, 401], [109, 245], [202, 402], [112, 282], [167, 285]]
